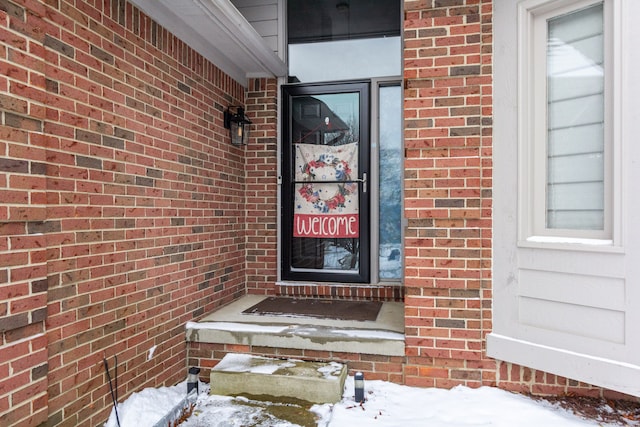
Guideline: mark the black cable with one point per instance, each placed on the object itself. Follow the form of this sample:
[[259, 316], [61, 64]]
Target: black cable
[[116, 374], [113, 396]]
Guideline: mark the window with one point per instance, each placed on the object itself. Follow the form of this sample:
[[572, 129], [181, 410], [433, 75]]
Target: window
[[390, 170], [566, 147], [331, 40]]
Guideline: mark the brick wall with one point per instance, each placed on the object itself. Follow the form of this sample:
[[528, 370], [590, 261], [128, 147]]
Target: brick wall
[[401, 369], [23, 242], [262, 187], [124, 204], [126, 212], [448, 191]]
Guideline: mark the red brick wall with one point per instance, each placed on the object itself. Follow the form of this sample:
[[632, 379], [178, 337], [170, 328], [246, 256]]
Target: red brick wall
[[262, 187], [126, 212], [401, 369], [23, 242], [447, 93], [124, 204], [521, 379]]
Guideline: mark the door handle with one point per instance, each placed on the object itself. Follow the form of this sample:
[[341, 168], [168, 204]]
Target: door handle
[[363, 180]]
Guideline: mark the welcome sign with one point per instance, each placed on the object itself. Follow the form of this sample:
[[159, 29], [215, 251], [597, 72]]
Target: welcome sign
[[326, 197]]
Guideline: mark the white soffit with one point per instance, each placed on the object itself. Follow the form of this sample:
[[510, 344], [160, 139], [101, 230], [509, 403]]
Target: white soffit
[[220, 33]]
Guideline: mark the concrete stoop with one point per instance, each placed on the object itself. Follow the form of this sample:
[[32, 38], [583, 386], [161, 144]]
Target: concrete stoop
[[242, 374], [232, 325]]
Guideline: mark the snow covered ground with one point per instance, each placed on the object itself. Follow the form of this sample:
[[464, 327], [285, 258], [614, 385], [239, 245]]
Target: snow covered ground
[[387, 405]]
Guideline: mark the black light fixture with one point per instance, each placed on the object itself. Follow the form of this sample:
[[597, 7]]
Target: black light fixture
[[238, 125]]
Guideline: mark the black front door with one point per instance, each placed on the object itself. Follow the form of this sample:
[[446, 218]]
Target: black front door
[[325, 166]]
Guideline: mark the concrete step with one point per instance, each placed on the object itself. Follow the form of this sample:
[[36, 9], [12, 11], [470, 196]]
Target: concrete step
[[231, 325], [262, 377]]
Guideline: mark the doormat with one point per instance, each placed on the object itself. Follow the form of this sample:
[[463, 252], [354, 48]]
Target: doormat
[[317, 308]]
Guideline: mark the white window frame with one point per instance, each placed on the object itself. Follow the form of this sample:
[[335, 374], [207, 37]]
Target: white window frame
[[532, 131]]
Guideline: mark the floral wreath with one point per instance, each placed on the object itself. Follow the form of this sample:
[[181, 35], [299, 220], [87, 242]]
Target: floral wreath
[[343, 173]]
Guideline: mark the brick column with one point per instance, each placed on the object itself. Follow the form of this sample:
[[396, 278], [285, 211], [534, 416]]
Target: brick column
[[262, 187], [447, 71]]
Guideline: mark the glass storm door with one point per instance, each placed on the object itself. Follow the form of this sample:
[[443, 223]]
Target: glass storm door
[[325, 167]]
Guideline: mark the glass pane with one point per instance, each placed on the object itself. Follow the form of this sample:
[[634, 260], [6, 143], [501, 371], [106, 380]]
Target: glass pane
[[575, 117], [326, 223], [346, 59], [390, 207]]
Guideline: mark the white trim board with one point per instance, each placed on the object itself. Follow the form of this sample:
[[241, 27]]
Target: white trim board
[[625, 377]]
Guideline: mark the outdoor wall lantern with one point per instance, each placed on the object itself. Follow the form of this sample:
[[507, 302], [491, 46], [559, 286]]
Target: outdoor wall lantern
[[238, 125]]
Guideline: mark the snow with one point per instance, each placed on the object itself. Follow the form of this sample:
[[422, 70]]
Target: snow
[[151, 351], [148, 406], [296, 329], [331, 371], [386, 405], [236, 327], [267, 366], [391, 405], [242, 363]]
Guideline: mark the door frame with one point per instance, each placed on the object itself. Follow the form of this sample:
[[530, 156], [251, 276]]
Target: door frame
[[362, 274]]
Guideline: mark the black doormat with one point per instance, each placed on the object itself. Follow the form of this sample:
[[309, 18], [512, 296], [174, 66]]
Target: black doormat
[[317, 308]]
